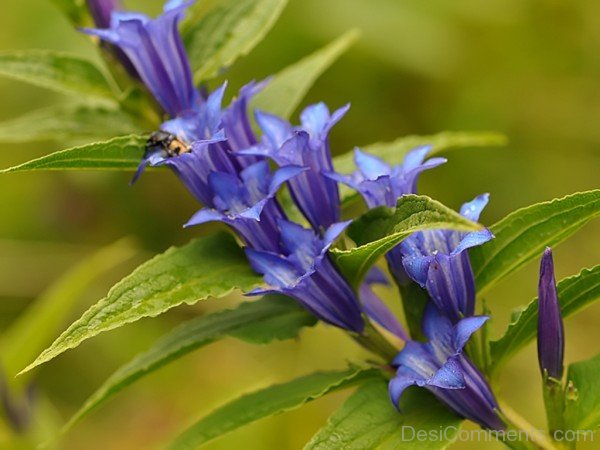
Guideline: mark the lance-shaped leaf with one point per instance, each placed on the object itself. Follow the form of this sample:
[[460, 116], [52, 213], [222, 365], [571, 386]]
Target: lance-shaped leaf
[[212, 266], [574, 293], [220, 31], [286, 90], [259, 322], [367, 420], [381, 229], [68, 74], [35, 328], [268, 402], [582, 403], [523, 234], [68, 122], [121, 153]]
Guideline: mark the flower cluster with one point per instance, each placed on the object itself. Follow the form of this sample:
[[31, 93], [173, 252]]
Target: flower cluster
[[216, 154]]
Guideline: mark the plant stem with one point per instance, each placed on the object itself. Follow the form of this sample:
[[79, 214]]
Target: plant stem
[[372, 340], [536, 439]]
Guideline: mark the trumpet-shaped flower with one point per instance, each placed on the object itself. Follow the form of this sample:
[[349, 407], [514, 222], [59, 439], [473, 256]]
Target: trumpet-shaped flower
[[441, 367], [304, 271]]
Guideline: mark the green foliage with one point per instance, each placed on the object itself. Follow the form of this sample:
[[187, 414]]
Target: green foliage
[[287, 89], [223, 30], [75, 10], [259, 322], [582, 407], [574, 294], [524, 233], [61, 72], [368, 420], [27, 336], [206, 267], [381, 229], [267, 402], [67, 122], [121, 153]]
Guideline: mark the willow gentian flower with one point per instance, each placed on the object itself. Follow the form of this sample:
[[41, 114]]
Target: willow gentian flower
[[308, 146], [439, 262], [441, 367], [304, 271], [155, 49], [246, 203], [550, 337], [374, 307]]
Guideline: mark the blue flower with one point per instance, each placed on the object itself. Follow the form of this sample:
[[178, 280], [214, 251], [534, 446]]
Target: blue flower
[[441, 367], [308, 146], [381, 184], [246, 203], [550, 338], [155, 49], [304, 271], [375, 308], [438, 261]]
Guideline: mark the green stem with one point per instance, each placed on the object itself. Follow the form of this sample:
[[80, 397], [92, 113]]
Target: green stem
[[554, 402], [372, 340], [535, 438]]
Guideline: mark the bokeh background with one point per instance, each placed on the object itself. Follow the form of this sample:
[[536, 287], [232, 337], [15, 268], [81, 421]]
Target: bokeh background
[[527, 68]]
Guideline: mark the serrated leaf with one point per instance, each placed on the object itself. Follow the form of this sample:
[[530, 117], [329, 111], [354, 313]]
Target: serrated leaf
[[212, 266], [524, 233], [381, 229], [286, 90], [224, 30], [582, 408], [574, 294], [121, 153], [259, 322], [61, 72], [67, 122], [33, 329], [368, 421], [267, 402]]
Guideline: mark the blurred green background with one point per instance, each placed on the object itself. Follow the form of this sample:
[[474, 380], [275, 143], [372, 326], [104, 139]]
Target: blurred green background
[[527, 68]]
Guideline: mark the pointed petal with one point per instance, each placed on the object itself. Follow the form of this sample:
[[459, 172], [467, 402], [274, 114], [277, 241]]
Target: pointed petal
[[370, 166], [450, 376], [472, 210], [205, 215], [464, 329], [276, 130]]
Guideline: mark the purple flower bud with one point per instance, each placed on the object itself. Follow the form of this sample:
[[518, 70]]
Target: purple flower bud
[[550, 339]]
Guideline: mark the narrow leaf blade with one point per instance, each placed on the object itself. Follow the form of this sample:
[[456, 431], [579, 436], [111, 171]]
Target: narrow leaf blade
[[574, 293], [381, 229], [267, 402], [61, 72], [259, 322], [523, 235], [121, 153], [227, 30], [212, 266], [368, 421], [285, 92]]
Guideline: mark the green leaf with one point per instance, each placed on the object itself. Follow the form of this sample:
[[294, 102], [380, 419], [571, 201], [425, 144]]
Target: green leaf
[[582, 407], [574, 294], [367, 420], [259, 322], [34, 329], [286, 90], [224, 30], [67, 122], [68, 74], [267, 402], [395, 151], [212, 266], [121, 153], [523, 234], [381, 229]]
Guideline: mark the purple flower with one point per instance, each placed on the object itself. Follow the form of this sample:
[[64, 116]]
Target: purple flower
[[101, 11], [155, 49], [246, 203], [304, 271], [375, 308], [381, 184], [551, 341], [437, 260], [441, 367], [308, 146]]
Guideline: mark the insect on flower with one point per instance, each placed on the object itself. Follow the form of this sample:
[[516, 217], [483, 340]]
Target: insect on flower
[[167, 144]]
